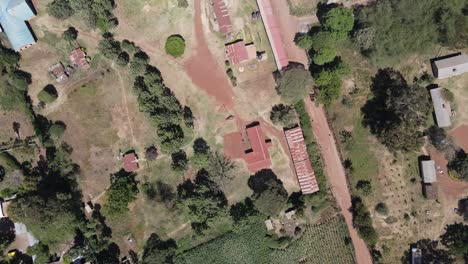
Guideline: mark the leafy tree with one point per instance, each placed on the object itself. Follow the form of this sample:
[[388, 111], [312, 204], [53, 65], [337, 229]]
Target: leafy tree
[[397, 113], [2, 173], [56, 130], [139, 63], [8, 58], [269, 195], [48, 94], [179, 161], [381, 208], [151, 153], [323, 39], [201, 153], [455, 239], [129, 46], [109, 47], [363, 222], [182, 3], [203, 198], [175, 46], [294, 84], [324, 55], [220, 168], [20, 80], [339, 20], [60, 9], [364, 38], [364, 187], [123, 59], [7, 233], [157, 250], [283, 115], [242, 210], [70, 34], [304, 41], [463, 208], [122, 191], [459, 164], [160, 192], [438, 137], [41, 251]]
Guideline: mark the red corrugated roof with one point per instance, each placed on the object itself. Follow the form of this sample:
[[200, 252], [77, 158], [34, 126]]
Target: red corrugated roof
[[257, 157], [130, 162], [304, 172], [273, 32], [78, 58], [222, 16], [236, 52]]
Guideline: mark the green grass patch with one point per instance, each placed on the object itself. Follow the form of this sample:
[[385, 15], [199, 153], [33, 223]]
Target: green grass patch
[[303, 8]]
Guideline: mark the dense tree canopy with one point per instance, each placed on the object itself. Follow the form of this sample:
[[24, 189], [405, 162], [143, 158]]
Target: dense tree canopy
[[398, 113], [269, 195], [398, 28], [459, 164], [123, 190], [363, 222], [158, 251], [294, 84], [431, 252], [455, 239], [283, 115], [339, 21]]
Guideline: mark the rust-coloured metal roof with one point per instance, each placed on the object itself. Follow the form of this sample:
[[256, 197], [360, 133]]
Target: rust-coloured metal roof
[[236, 52], [130, 162], [222, 16], [257, 157]]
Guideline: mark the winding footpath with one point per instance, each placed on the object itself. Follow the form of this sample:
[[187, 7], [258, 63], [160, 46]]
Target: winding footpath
[[336, 176]]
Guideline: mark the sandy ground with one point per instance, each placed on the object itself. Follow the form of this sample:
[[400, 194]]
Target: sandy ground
[[203, 69], [336, 176]]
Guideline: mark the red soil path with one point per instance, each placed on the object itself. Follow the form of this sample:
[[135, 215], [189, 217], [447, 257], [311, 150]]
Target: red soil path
[[336, 176], [203, 69], [233, 147]]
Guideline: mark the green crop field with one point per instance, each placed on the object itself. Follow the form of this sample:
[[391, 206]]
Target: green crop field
[[321, 243]]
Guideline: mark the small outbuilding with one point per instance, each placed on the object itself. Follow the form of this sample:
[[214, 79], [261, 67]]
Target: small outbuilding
[[269, 225], [79, 59], [130, 161], [236, 52], [442, 110], [256, 155], [450, 66], [59, 72], [13, 17], [429, 179]]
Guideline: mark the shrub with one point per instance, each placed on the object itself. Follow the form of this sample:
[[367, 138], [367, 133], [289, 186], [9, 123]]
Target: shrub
[[283, 115], [339, 20], [179, 161], [182, 3], [70, 34], [48, 94], [294, 84], [123, 59], [304, 41], [364, 187], [151, 153], [381, 208], [56, 130], [175, 46]]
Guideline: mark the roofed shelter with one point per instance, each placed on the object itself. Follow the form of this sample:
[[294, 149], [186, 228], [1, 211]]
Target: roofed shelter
[[428, 172], [130, 162], [79, 59], [304, 172], [13, 14], [222, 16], [236, 52], [450, 66], [442, 108], [273, 31], [257, 156]]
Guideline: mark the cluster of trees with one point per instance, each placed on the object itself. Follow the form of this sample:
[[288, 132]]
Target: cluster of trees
[[122, 191], [336, 24], [98, 13], [459, 165], [48, 94], [269, 195], [393, 29], [397, 113], [362, 220], [155, 99]]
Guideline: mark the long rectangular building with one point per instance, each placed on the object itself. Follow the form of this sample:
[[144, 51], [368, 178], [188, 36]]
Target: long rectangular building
[[274, 34], [304, 172]]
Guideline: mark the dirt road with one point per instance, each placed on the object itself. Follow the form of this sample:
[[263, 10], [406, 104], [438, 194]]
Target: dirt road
[[336, 176]]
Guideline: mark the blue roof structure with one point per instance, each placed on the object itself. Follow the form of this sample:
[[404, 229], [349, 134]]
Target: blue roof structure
[[13, 14]]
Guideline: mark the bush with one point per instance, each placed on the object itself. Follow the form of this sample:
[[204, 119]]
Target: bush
[[182, 3], [179, 161], [56, 130], [283, 115], [381, 208], [60, 9], [48, 94], [175, 46], [123, 59], [304, 41], [339, 20], [70, 34], [123, 190], [324, 55], [364, 187], [151, 153], [363, 222]]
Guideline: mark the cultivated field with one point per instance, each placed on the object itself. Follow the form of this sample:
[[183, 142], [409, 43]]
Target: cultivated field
[[326, 242]]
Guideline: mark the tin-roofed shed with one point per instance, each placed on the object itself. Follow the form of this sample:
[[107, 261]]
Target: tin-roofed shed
[[442, 108], [451, 66], [428, 171]]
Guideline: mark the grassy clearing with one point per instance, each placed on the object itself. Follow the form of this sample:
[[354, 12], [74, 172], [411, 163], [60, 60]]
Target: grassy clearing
[[303, 7], [321, 243]]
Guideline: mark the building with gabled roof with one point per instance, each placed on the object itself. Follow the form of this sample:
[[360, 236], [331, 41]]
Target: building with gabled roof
[[222, 16], [257, 155], [236, 52], [428, 173], [130, 161], [450, 66], [79, 59], [13, 17], [442, 109], [304, 172]]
